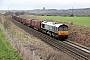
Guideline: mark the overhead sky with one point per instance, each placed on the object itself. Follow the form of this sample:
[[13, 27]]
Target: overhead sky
[[39, 4]]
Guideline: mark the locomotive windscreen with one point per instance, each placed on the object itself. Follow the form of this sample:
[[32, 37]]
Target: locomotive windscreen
[[64, 28]]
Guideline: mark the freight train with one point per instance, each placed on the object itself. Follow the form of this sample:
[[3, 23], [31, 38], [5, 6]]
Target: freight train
[[59, 31]]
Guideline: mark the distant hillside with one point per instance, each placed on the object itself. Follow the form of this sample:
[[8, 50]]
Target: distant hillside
[[68, 12]]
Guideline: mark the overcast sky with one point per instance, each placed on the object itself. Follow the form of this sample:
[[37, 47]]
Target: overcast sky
[[39, 4]]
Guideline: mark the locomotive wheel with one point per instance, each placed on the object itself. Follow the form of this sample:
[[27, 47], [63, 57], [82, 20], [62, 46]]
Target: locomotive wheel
[[50, 34]]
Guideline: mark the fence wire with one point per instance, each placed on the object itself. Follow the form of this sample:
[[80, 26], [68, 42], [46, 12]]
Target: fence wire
[[25, 53]]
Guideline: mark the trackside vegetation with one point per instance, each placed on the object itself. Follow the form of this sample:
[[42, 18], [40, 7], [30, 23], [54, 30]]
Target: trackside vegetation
[[7, 52], [76, 20]]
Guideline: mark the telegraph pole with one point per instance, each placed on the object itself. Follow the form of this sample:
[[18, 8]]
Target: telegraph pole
[[8, 9], [72, 12]]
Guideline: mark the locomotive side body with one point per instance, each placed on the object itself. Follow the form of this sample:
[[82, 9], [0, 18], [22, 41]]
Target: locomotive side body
[[48, 26]]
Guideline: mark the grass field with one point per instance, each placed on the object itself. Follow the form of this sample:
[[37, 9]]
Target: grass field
[[76, 20], [6, 50]]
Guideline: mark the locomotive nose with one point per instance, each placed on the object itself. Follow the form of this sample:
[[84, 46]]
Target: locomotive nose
[[62, 32]]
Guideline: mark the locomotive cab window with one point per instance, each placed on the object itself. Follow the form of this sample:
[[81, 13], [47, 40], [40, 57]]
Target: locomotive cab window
[[65, 28]]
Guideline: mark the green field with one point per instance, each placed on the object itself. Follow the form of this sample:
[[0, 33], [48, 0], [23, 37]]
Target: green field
[[76, 20], [6, 50]]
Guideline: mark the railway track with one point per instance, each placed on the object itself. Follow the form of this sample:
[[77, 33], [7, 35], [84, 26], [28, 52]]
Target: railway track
[[75, 50], [83, 53]]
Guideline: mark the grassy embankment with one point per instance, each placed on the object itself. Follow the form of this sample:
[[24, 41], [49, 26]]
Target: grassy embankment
[[76, 20], [6, 50]]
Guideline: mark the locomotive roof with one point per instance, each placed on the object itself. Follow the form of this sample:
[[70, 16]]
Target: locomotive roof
[[57, 25], [51, 23]]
